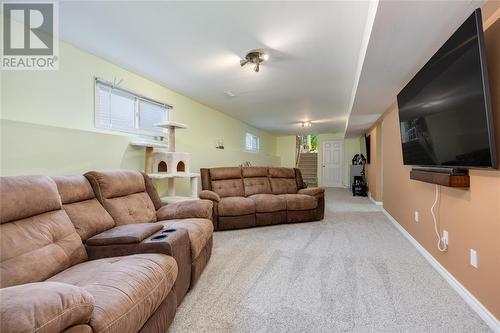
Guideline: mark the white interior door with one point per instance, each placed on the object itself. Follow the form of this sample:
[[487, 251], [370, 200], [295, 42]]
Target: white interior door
[[333, 154]]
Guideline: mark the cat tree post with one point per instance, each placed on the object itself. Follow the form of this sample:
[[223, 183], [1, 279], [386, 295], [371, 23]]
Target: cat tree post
[[171, 139], [148, 168]]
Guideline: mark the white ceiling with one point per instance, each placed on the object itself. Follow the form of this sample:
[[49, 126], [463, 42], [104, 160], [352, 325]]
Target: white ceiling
[[319, 51], [194, 48], [405, 35]]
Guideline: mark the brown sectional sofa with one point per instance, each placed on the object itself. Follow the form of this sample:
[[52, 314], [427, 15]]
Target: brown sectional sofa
[[255, 196], [79, 256], [49, 285]]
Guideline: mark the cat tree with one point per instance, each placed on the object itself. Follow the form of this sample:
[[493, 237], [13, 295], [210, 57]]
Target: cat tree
[[169, 165]]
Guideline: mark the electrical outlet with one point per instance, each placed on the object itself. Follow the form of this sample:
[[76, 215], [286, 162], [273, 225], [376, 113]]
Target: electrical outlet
[[445, 237], [473, 258], [417, 216]]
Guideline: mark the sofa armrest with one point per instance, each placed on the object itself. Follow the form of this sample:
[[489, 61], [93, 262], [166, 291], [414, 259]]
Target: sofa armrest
[[312, 191], [186, 209], [124, 234], [209, 195], [44, 307]]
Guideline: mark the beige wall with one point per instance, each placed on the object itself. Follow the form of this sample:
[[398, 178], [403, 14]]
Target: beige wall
[[285, 147], [47, 123], [471, 216]]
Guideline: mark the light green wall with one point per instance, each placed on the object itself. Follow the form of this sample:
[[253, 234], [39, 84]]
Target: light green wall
[[47, 123], [286, 150]]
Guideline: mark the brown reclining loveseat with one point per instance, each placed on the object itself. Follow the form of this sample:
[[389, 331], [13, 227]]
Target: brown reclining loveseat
[[253, 196], [49, 285]]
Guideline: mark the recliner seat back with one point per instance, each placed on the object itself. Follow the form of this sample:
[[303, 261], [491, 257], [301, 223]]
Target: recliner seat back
[[80, 203], [123, 194], [37, 238], [227, 182], [283, 181], [256, 180]]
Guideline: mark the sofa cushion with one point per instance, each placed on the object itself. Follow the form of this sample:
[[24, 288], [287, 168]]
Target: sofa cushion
[[35, 242], [86, 213], [300, 201], [199, 232], [123, 194], [26, 196], [116, 183], [256, 185], [89, 218], [44, 307], [228, 187], [225, 173], [235, 206], [267, 203], [283, 185], [124, 234], [281, 173], [126, 290], [133, 208], [248, 172], [73, 188]]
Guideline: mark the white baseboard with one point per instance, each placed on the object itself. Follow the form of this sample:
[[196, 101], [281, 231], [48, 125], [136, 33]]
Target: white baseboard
[[378, 203], [479, 308]]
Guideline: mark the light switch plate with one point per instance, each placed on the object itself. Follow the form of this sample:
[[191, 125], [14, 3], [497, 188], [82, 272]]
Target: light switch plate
[[473, 258], [417, 216]]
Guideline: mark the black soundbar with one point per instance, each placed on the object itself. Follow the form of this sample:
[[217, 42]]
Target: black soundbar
[[448, 171]]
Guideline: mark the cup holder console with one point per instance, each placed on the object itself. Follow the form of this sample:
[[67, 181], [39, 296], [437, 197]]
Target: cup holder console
[[159, 237], [166, 231]]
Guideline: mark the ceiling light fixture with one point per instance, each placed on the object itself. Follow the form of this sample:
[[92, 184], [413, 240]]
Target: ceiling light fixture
[[255, 57], [229, 93], [306, 124]]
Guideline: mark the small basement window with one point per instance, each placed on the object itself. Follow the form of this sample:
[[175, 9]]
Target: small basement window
[[119, 109], [252, 142]]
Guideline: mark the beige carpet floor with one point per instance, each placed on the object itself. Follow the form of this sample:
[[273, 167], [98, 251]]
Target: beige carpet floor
[[352, 272]]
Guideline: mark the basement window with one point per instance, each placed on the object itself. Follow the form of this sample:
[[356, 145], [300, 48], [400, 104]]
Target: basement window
[[252, 142], [119, 109]]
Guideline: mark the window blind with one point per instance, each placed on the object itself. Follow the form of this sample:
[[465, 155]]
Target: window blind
[[123, 110], [252, 142]]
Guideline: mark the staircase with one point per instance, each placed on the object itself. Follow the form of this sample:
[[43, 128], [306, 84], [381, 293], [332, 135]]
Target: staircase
[[308, 165]]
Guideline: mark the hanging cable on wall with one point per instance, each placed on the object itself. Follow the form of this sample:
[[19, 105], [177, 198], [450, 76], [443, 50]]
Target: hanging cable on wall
[[442, 247]]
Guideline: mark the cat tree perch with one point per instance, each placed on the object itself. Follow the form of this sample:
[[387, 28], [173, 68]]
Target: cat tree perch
[[169, 164]]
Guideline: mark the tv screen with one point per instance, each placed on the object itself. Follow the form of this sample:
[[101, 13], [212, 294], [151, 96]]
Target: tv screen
[[368, 148], [445, 110]]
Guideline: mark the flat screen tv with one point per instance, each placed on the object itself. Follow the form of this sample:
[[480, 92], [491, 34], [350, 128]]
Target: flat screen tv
[[368, 148], [445, 110]]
